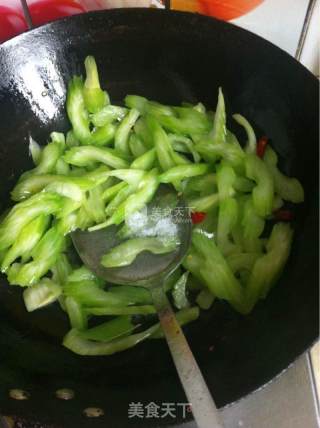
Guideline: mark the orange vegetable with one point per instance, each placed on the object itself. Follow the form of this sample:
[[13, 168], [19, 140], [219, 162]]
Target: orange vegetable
[[227, 9], [221, 9]]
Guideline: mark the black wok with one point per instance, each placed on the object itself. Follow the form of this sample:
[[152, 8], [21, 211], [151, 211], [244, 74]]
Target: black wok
[[170, 57]]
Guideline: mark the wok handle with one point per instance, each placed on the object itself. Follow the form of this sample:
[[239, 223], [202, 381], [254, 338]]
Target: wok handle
[[204, 409], [27, 14]]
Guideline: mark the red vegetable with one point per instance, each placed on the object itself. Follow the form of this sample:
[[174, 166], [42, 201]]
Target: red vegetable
[[261, 146], [227, 9], [43, 11], [12, 22], [198, 217], [283, 215]]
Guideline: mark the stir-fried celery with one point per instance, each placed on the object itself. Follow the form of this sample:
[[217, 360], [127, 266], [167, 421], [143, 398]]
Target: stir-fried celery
[[233, 191]]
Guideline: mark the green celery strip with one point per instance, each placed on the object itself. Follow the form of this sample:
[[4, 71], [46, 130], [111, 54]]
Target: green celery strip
[[81, 156], [26, 240], [121, 310], [182, 172], [76, 344], [263, 193], [205, 299], [121, 141], [110, 330], [217, 274], [219, 130], [94, 97], [23, 213], [42, 294], [289, 189], [251, 146], [77, 316], [124, 254], [267, 268], [179, 292]]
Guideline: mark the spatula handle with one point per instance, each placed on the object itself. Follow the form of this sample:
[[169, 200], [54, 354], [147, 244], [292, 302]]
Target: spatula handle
[[204, 409]]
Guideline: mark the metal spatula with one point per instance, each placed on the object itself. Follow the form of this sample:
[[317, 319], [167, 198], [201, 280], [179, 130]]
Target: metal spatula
[[150, 271]]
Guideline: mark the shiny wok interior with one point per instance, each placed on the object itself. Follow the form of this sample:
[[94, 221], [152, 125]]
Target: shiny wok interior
[[169, 57]]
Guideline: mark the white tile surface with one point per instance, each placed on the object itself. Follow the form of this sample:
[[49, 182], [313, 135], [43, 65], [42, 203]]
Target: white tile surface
[[310, 53], [279, 21], [287, 402]]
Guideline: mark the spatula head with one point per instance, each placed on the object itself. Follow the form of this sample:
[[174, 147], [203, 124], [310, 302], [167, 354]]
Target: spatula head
[[147, 269]]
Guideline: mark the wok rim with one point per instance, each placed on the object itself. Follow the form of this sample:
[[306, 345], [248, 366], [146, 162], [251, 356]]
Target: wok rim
[[134, 10], [50, 27]]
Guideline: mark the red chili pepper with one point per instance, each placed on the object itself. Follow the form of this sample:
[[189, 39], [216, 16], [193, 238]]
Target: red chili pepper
[[283, 215], [43, 11], [198, 217], [261, 146], [12, 22]]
